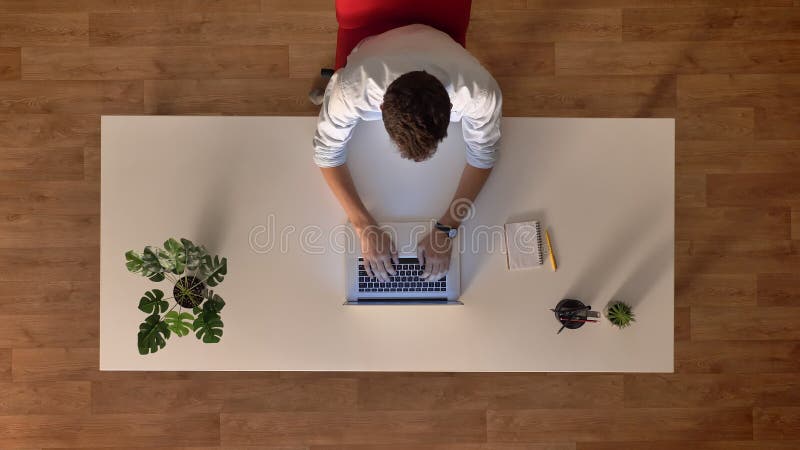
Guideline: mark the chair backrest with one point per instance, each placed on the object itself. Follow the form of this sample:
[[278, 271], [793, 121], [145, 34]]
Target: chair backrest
[[359, 19]]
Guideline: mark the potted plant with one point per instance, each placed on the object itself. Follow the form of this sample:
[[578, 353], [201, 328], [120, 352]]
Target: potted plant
[[191, 271], [620, 314]]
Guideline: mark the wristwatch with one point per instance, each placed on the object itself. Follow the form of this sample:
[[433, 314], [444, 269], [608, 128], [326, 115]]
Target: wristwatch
[[450, 231]]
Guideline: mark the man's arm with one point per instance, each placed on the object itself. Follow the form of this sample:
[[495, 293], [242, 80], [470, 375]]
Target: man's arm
[[481, 128], [434, 249], [469, 186], [377, 247]]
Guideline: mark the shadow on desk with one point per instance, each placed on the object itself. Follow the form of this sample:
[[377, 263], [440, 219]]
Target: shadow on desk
[[627, 238]]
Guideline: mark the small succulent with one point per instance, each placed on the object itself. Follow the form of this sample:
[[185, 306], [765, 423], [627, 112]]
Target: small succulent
[[620, 314], [191, 271]]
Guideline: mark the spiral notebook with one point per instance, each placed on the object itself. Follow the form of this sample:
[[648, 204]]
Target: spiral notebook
[[524, 245]]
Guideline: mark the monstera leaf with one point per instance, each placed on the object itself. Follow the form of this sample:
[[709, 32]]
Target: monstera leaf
[[214, 302], [153, 335], [180, 324], [153, 302], [173, 257], [194, 254], [214, 270], [133, 261], [146, 264], [151, 267], [207, 326], [170, 261]]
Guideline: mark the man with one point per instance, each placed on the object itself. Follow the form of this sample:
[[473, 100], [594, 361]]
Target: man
[[418, 80]]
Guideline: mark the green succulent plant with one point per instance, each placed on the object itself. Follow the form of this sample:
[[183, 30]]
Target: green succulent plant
[[191, 271], [620, 314]]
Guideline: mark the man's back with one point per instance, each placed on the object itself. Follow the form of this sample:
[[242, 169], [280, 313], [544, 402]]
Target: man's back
[[356, 91]]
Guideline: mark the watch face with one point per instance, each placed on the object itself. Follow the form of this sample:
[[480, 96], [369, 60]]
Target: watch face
[[452, 233]]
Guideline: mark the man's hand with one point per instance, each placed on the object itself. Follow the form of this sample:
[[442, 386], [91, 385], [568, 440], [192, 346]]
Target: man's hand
[[378, 251], [433, 252]]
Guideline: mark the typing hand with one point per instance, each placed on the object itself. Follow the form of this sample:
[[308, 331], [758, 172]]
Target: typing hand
[[433, 252], [378, 251]]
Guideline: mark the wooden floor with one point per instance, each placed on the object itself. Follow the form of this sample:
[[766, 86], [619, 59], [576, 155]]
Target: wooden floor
[[728, 70]]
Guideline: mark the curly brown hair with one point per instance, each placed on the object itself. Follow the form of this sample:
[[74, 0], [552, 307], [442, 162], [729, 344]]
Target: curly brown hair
[[416, 114]]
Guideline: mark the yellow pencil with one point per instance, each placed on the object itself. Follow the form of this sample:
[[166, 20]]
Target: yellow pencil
[[550, 249]]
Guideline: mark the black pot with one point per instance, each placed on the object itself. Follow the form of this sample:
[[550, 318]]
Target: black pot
[[578, 308], [194, 296]]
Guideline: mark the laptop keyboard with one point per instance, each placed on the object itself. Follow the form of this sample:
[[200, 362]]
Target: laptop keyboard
[[405, 279]]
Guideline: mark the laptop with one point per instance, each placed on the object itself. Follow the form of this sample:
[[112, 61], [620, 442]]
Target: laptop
[[405, 287]]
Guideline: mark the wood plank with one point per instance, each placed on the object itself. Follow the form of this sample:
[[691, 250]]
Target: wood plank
[[136, 63], [720, 223], [690, 189], [41, 163], [526, 60], [715, 123], [61, 397], [74, 330], [716, 290], [54, 197], [632, 424], [22, 30], [66, 6], [683, 329], [738, 156], [5, 364], [762, 189], [776, 423], [745, 323], [306, 60], [710, 390], [51, 264], [232, 396], [9, 63], [742, 90], [778, 123], [384, 392], [417, 446], [81, 97], [373, 427], [694, 445], [780, 289], [737, 357], [49, 230], [579, 4], [739, 257], [45, 298], [701, 24], [55, 364], [255, 97], [664, 58], [91, 160], [77, 430], [182, 447], [32, 130], [556, 25], [487, 5], [168, 29], [269, 6], [796, 223], [589, 96]]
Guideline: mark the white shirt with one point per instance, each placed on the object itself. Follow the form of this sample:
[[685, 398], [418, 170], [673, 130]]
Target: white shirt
[[356, 91]]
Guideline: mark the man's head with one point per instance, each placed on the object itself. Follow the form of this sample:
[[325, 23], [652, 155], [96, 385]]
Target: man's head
[[416, 113]]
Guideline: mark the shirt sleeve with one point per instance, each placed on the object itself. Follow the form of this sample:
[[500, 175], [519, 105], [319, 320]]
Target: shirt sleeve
[[337, 117], [481, 128]]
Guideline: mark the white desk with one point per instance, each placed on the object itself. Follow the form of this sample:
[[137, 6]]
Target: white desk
[[605, 187]]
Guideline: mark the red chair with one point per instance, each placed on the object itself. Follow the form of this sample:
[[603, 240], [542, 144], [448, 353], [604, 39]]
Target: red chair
[[359, 19]]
